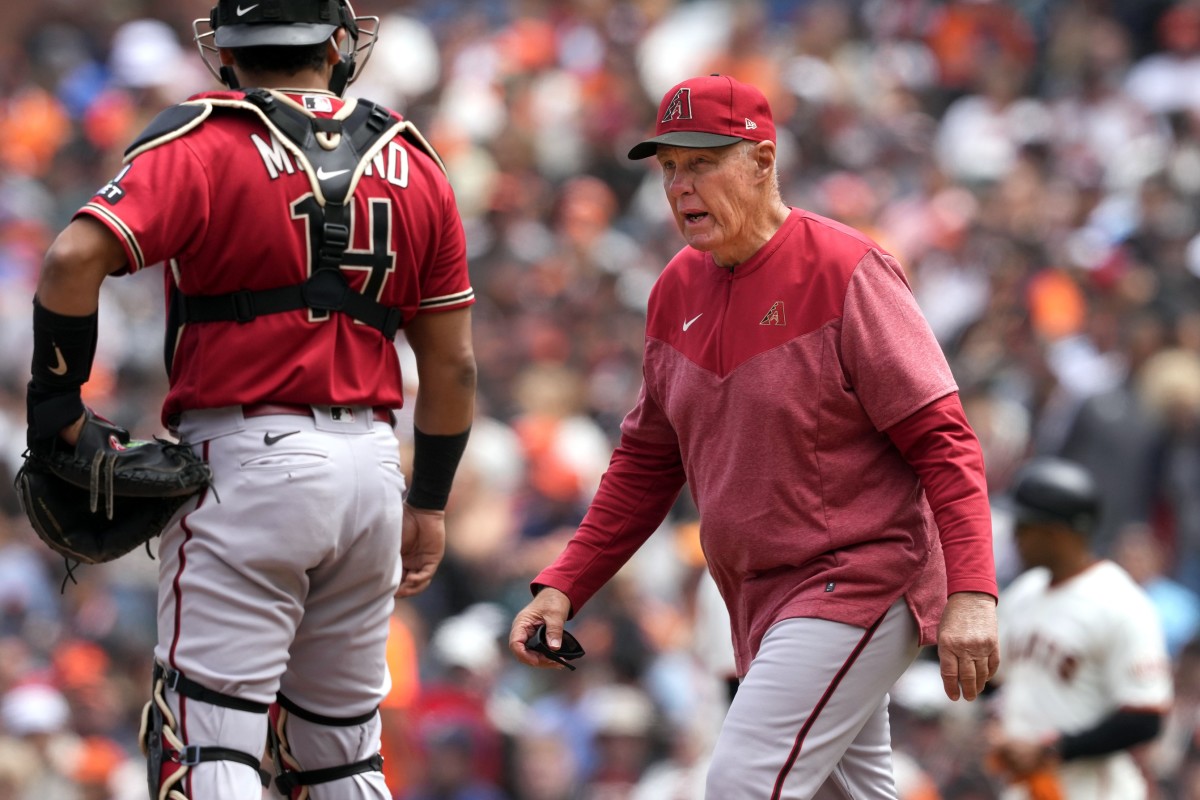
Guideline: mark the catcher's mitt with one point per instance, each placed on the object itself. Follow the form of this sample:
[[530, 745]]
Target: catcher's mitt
[[109, 494]]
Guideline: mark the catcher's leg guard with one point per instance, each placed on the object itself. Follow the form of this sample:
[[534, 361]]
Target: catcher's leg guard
[[294, 729], [168, 757]]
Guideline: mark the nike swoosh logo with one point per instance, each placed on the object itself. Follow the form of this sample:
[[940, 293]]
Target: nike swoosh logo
[[688, 324], [269, 440], [322, 175], [61, 367], [241, 12]]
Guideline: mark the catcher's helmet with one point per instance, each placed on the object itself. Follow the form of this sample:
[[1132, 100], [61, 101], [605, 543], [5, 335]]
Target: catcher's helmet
[[1053, 490], [285, 23]]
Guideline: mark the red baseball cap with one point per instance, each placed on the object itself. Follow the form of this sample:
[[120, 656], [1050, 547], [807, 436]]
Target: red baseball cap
[[709, 111]]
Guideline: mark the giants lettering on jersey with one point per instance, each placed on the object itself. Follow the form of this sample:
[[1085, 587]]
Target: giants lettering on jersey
[[1045, 652], [391, 163]]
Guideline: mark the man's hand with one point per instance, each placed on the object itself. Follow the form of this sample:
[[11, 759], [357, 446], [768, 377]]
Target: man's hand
[[968, 644], [70, 434], [549, 606], [422, 546]]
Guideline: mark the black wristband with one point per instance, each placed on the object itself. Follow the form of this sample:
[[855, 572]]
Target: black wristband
[[63, 350], [435, 460]]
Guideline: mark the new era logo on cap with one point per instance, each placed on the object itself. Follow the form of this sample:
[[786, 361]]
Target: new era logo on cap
[[709, 111]]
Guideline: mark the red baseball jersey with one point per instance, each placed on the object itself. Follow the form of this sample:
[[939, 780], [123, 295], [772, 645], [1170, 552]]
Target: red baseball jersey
[[769, 388], [226, 207]]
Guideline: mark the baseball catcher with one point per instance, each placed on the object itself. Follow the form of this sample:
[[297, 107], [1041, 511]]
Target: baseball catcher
[[298, 231]]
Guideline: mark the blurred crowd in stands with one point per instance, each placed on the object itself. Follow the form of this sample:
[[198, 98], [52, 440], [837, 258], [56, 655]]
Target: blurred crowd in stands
[[1033, 164]]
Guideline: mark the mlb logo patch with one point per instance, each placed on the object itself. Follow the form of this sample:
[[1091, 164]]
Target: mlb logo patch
[[317, 102]]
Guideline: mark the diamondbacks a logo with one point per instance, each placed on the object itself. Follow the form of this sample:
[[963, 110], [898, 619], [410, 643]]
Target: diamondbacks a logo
[[775, 316], [680, 106]]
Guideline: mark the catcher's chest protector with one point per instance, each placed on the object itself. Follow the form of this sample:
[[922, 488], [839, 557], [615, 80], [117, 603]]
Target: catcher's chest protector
[[334, 153]]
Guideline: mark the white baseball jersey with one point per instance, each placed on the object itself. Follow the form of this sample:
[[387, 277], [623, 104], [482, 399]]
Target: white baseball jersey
[[1073, 653]]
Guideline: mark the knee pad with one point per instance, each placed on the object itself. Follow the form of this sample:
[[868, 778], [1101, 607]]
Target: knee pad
[[168, 757], [291, 779]]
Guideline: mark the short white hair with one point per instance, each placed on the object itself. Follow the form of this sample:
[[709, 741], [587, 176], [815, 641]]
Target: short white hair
[[746, 148]]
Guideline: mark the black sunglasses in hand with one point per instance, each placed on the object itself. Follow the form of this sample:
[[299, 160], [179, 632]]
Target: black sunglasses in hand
[[570, 650]]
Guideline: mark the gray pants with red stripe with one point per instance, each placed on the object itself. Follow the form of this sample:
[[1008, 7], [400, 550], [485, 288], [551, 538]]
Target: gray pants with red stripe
[[810, 719], [284, 585]]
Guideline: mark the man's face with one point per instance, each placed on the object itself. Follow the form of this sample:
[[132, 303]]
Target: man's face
[[713, 197], [1035, 544]]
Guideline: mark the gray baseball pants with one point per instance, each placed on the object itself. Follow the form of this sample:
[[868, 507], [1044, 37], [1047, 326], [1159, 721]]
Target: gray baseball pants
[[284, 584], [810, 719]]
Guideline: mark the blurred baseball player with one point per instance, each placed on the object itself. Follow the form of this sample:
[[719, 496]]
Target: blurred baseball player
[[298, 232], [791, 381], [1086, 674]]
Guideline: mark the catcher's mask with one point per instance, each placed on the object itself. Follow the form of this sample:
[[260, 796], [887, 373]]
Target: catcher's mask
[[285, 23]]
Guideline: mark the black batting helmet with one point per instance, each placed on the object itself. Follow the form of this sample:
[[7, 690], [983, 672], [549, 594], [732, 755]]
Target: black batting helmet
[[286, 23], [1053, 490]]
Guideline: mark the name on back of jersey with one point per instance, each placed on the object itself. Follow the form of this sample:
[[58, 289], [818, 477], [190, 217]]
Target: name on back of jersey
[[390, 163]]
